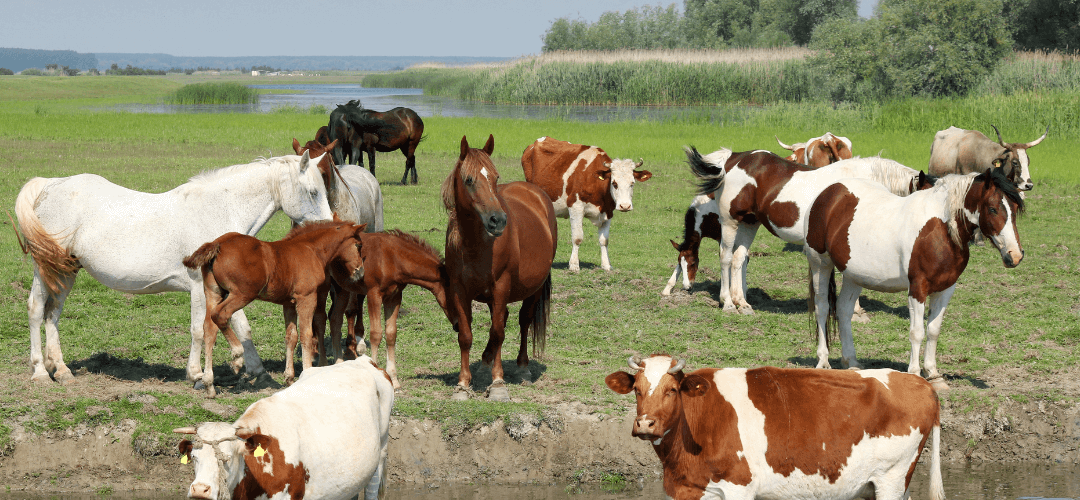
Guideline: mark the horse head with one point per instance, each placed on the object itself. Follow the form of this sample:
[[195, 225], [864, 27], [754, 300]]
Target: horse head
[[302, 192], [996, 202], [470, 190]]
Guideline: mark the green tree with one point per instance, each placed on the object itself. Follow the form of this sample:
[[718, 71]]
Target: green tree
[[1044, 24]]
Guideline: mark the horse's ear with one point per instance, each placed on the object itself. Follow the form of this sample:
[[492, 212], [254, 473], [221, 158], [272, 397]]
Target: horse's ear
[[296, 145], [676, 245], [304, 159], [489, 146], [464, 148], [359, 229], [332, 145]]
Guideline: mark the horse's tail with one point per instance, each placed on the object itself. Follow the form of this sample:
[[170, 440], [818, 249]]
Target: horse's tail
[[204, 256], [811, 306], [541, 315], [52, 259], [710, 177]]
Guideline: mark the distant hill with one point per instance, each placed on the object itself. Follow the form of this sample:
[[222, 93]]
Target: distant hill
[[20, 59], [355, 63]]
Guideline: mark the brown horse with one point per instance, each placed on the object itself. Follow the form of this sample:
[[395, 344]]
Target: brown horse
[[500, 242], [238, 269], [392, 261], [365, 130]]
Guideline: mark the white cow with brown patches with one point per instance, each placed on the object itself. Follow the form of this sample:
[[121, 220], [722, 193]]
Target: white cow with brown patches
[[323, 437], [583, 182], [764, 433]]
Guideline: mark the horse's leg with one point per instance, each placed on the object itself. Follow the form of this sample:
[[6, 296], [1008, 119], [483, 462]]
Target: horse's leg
[[493, 352], [219, 312], [821, 270], [526, 315], [603, 229], [354, 346], [305, 312], [740, 255], [43, 305], [916, 332], [938, 302], [577, 234], [289, 312], [375, 321], [318, 322], [727, 250], [845, 308], [339, 300], [410, 162], [391, 308], [253, 365], [463, 325]]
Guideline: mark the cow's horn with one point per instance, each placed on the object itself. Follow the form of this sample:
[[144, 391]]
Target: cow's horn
[[999, 137], [185, 430], [634, 362], [678, 366], [640, 162], [1037, 141], [785, 146]]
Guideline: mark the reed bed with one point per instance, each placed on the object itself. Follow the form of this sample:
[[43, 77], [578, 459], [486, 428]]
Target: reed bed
[[214, 93]]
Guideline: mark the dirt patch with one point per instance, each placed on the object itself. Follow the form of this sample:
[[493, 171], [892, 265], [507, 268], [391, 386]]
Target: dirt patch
[[1012, 416]]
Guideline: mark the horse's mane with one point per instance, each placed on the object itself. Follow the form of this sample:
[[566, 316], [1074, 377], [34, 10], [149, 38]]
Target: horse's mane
[[211, 177], [303, 229], [416, 241], [896, 177], [689, 223], [956, 187]]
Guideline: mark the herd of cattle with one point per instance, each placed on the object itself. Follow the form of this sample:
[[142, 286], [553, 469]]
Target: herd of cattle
[[719, 433]]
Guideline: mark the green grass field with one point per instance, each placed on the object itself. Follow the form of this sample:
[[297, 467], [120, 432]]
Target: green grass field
[[1025, 318]]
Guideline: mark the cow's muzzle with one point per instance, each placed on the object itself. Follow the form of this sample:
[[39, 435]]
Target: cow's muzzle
[[200, 491], [645, 429]]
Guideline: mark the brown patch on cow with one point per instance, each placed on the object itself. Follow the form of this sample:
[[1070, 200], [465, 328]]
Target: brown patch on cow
[[783, 214], [936, 260], [282, 475], [185, 448], [799, 425], [829, 223], [545, 163]]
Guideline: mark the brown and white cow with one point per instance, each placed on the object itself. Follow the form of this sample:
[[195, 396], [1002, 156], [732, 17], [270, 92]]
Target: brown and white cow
[[768, 432], [582, 182], [325, 437], [819, 151], [959, 151]]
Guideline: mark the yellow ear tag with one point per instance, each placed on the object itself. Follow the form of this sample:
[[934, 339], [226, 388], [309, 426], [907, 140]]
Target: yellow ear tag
[[259, 451], [183, 459]]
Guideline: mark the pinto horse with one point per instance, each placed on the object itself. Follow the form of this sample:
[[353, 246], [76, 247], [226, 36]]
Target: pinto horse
[[391, 261], [702, 220], [237, 269], [133, 242], [369, 131], [917, 243], [500, 243], [758, 187]]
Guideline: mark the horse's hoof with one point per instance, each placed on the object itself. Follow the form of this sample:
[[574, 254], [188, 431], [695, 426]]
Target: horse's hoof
[[939, 384], [199, 385], [64, 377], [823, 365], [861, 317], [498, 393], [746, 310], [211, 393], [41, 378], [460, 394], [730, 308]]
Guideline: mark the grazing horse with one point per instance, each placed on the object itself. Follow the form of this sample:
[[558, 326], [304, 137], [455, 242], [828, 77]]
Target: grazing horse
[[917, 243], [757, 187], [500, 243], [237, 269], [702, 220], [133, 242], [392, 261], [370, 131]]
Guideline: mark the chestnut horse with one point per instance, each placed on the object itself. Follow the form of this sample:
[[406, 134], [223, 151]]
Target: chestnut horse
[[392, 261], [237, 269], [500, 242], [365, 130], [917, 243]]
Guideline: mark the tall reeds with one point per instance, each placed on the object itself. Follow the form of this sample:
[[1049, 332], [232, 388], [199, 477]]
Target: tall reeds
[[214, 93]]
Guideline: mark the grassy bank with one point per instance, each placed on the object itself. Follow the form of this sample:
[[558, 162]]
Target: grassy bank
[[1024, 319]]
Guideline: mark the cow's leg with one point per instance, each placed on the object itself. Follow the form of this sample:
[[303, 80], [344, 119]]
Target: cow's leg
[[845, 308], [289, 313], [740, 256], [44, 306], [493, 352], [821, 269], [460, 316], [603, 226], [577, 234], [391, 308], [938, 302]]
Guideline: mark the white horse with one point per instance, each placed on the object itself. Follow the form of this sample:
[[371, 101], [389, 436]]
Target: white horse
[[134, 242]]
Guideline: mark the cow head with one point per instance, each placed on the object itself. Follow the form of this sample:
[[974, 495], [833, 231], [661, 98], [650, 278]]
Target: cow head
[[659, 386], [218, 457], [819, 151], [621, 176], [1014, 160]]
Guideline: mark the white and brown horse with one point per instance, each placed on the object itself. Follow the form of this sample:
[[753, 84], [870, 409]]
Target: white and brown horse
[[500, 243], [757, 187], [702, 220], [918, 243]]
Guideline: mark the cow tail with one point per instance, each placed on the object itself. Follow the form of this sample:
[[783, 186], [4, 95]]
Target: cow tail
[[204, 256], [53, 261], [541, 315], [710, 177], [937, 490]]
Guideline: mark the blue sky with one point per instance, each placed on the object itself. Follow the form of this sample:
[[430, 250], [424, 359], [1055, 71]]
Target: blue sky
[[502, 28]]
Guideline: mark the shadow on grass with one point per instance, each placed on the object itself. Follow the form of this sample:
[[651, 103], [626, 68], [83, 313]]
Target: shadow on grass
[[137, 370], [481, 374], [566, 265], [870, 364]]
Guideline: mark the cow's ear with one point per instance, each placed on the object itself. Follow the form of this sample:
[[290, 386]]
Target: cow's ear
[[185, 450], [999, 162], [694, 385], [489, 146], [464, 148], [604, 173], [642, 175], [620, 382]]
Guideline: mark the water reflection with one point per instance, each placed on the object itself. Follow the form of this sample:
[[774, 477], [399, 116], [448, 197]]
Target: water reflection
[[381, 99], [992, 481]]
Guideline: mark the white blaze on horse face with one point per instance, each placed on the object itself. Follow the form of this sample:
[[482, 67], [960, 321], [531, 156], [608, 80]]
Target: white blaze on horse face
[[622, 184], [655, 369], [1007, 241]]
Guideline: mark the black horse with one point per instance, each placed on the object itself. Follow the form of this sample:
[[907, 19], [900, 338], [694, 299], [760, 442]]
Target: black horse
[[358, 130]]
